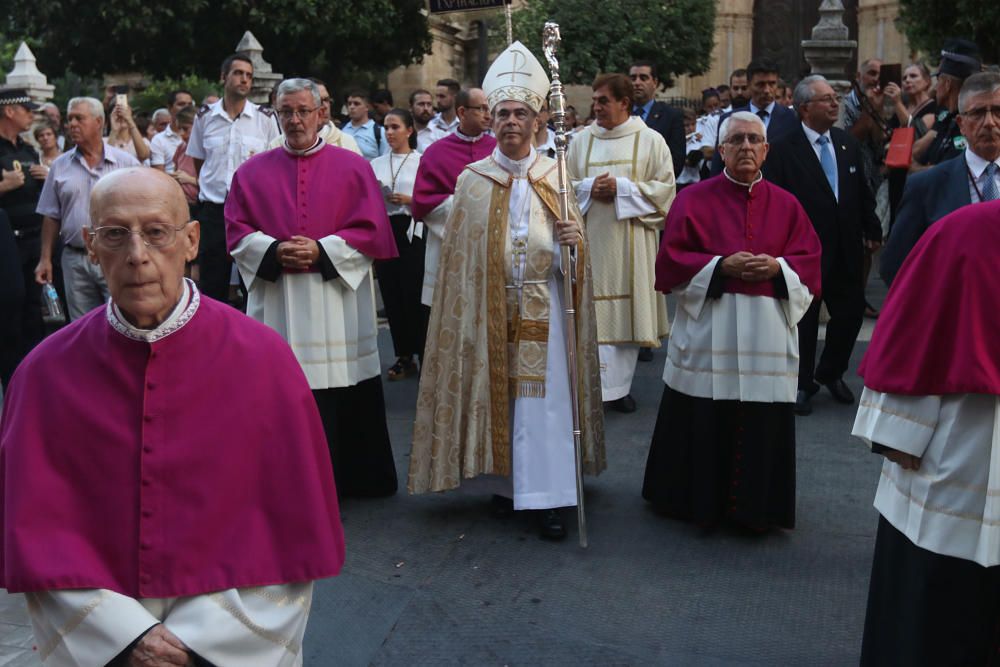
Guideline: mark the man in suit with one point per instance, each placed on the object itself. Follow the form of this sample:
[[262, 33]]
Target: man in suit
[[822, 166], [778, 119], [660, 116], [968, 179]]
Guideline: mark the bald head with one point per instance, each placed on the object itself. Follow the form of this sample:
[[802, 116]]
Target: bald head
[[144, 268], [150, 186]]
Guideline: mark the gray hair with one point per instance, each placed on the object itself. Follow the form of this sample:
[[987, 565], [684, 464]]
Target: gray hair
[[290, 86], [983, 83], [160, 112], [741, 117], [803, 93], [96, 108], [48, 105]]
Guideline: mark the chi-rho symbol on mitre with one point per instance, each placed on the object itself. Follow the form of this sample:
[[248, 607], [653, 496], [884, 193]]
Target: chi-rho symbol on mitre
[[516, 75]]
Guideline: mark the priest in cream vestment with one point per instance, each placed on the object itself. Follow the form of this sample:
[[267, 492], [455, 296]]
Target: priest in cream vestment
[[624, 181], [494, 398]]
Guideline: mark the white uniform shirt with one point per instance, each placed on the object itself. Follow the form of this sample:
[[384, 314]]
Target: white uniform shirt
[[224, 144], [427, 136], [162, 147]]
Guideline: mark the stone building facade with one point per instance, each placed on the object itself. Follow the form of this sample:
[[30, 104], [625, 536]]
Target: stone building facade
[[744, 29]]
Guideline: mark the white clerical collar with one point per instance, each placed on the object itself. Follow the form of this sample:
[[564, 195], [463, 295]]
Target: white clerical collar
[[312, 150], [749, 186], [519, 168], [465, 137], [179, 316], [977, 165]]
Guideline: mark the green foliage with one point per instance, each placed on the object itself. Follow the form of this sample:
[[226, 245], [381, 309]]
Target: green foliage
[[928, 23], [155, 94], [608, 36], [183, 37]]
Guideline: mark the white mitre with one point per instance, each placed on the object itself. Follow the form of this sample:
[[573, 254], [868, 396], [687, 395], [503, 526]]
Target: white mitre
[[516, 75]]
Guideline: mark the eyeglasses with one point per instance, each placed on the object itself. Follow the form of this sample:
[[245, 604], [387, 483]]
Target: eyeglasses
[[156, 235], [979, 114], [738, 139], [482, 109], [825, 99], [288, 114]]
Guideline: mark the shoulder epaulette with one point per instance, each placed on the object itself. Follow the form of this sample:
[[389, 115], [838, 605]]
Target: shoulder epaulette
[[267, 111], [203, 109]]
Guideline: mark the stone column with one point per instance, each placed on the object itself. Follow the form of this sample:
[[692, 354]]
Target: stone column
[[829, 51], [263, 78], [26, 75]]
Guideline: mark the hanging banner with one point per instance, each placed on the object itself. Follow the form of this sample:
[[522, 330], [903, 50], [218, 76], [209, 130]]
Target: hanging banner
[[445, 6]]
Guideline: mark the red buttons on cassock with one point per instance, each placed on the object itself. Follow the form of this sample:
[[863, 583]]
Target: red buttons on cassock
[[145, 546], [146, 482], [147, 449], [147, 418], [147, 513], [150, 385]]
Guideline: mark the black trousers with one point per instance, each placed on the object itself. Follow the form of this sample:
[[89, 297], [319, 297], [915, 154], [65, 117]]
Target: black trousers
[[929, 609], [11, 301], [214, 263], [400, 281], [358, 438], [845, 300]]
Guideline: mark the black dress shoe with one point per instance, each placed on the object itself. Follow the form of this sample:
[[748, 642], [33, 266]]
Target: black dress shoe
[[501, 506], [645, 354], [624, 404], [840, 391], [550, 525], [803, 404]]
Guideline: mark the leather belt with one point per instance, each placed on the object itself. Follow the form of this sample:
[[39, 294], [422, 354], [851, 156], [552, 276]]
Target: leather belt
[[75, 248]]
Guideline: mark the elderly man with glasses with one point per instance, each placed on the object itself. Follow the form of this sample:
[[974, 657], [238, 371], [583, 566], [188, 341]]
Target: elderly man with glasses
[[65, 206], [166, 489], [304, 223], [823, 167], [743, 261]]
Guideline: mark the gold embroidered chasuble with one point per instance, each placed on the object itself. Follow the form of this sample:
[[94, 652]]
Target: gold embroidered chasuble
[[485, 346], [623, 252]]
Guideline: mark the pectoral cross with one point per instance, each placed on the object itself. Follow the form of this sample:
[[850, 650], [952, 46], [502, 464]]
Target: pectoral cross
[[518, 255]]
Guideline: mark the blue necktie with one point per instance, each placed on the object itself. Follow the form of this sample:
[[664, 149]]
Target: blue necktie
[[828, 162], [990, 191], [638, 112]]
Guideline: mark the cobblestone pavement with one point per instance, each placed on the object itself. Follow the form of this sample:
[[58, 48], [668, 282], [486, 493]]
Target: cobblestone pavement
[[435, 580]]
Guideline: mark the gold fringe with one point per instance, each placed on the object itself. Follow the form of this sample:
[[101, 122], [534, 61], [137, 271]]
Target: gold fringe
[[528, 388]]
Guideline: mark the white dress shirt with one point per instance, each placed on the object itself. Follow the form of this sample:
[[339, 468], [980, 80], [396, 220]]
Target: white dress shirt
[[225, 143], [813, 136], [162, 148], [977, 167]]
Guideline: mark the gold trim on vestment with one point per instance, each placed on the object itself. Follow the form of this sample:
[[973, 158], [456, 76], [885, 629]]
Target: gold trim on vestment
[[894, 413], [72, 624], [289, 645], [980, 518], [612, 297], [738, 372], [496, 328]]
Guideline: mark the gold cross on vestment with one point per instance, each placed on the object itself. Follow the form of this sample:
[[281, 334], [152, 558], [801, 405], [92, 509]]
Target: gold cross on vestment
[[519, 59]]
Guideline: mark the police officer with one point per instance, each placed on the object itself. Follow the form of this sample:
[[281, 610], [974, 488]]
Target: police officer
[[21, 179], [225, 135], [959, 61]]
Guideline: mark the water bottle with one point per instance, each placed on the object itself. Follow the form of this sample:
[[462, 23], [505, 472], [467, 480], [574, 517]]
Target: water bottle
[[52, 311]]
